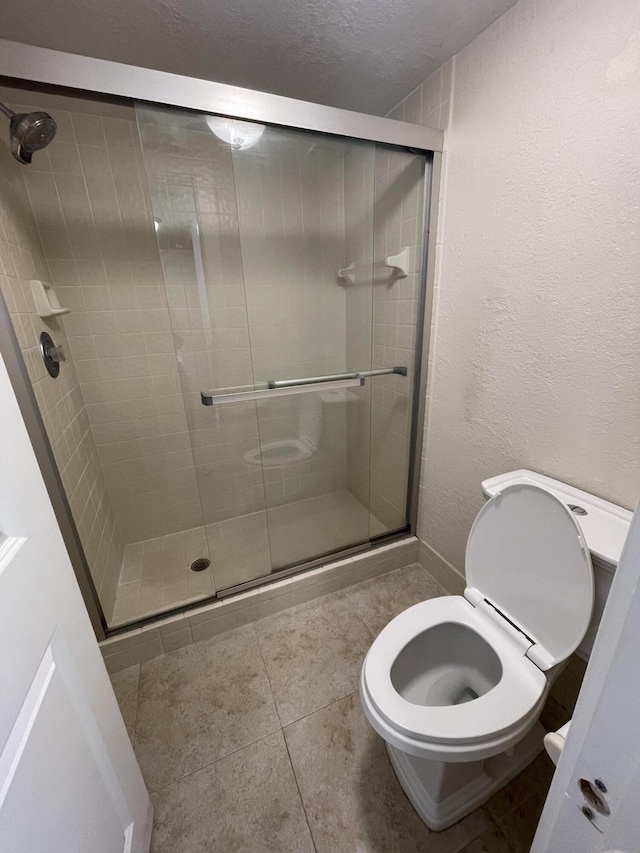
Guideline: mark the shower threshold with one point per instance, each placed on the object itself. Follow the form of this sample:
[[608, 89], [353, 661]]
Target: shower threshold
[[156, 575]]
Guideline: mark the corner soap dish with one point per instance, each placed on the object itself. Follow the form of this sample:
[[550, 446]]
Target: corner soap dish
[[47, 302]]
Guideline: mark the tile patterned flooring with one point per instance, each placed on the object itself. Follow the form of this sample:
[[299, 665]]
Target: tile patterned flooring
[[255, 740], [156, 573]]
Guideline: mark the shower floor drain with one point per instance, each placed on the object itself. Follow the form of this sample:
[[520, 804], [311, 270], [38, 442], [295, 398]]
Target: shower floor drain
[[200, 564]]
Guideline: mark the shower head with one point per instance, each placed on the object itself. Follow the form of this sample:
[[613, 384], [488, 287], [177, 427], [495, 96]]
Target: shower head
[[28, 132]]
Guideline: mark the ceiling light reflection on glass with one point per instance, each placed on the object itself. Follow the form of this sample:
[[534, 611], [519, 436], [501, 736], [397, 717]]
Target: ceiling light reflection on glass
[[238, 134]]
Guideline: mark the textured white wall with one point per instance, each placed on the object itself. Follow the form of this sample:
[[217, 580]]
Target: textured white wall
[[536, 357], [360, 55]]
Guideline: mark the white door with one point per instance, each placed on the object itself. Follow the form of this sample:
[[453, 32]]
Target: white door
[[69, 780], [603, 746]]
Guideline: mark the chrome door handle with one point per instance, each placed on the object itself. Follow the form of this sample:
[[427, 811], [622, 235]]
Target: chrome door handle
[[288, 391], [290, 383]]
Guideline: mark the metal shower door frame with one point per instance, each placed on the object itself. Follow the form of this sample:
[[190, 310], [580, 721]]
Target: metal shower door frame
[[32, 67], [99, 76]]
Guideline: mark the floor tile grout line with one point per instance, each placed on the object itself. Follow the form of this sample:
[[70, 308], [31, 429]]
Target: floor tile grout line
[[491, 822], [480, 832], [339, 594], [251, 627], [251, 743], [135, 718], [502, 835], [266, 671], [355, 610], [520, 803], [349, 591], [293, 770], [339, 597], [322, 708], [211, 763], [295, 779]]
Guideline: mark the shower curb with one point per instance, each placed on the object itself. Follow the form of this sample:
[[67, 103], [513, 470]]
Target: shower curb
[[141, 644]]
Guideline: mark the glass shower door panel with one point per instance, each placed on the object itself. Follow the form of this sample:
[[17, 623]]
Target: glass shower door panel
[[191, 184], [398, 233], [305, 214], [274, 246], [304, 458]]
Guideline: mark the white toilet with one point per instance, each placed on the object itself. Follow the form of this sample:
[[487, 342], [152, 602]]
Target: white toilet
[[288, 451], [455, 684]]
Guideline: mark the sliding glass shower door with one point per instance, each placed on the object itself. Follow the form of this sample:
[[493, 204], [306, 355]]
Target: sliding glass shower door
[[291, 265], [291, 195]]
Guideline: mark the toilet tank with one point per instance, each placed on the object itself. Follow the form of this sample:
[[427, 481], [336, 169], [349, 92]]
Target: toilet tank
[[604, 526]]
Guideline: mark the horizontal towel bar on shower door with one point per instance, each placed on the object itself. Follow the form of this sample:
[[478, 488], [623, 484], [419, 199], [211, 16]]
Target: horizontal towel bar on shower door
[[269, 393], [309, 380]]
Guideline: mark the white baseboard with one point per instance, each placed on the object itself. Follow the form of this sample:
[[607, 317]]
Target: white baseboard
[[446, 574]]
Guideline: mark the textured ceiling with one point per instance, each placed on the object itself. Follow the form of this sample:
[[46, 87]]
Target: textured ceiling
[[363, 55]]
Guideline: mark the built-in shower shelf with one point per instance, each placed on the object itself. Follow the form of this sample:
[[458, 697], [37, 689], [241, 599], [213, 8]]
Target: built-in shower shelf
[[46, 299], [397, 265]]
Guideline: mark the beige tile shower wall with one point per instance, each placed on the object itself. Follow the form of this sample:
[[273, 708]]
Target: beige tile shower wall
[[94, 218], [290, 192], [191, 182], [60, 400], [359, 209], [384, 216], [430, 105], [291, 216], [399, 188]]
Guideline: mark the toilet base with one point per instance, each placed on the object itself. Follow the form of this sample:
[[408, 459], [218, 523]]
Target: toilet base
[[443, 793]]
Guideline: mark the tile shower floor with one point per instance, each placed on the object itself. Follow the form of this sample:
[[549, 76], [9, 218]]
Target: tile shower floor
[[156, 573], [255, 740]]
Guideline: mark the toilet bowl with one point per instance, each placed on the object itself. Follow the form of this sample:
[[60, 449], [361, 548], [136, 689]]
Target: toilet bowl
[[455, 685], [275, 454], [292, 449]]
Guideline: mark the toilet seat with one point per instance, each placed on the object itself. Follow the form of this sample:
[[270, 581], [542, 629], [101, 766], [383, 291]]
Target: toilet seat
[[506, 708], [527, 557]]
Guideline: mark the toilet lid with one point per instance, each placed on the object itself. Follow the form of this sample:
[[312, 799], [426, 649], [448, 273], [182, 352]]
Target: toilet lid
[[526, 555]]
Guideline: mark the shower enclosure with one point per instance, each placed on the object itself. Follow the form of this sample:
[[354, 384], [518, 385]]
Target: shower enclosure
[[241, 304]]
